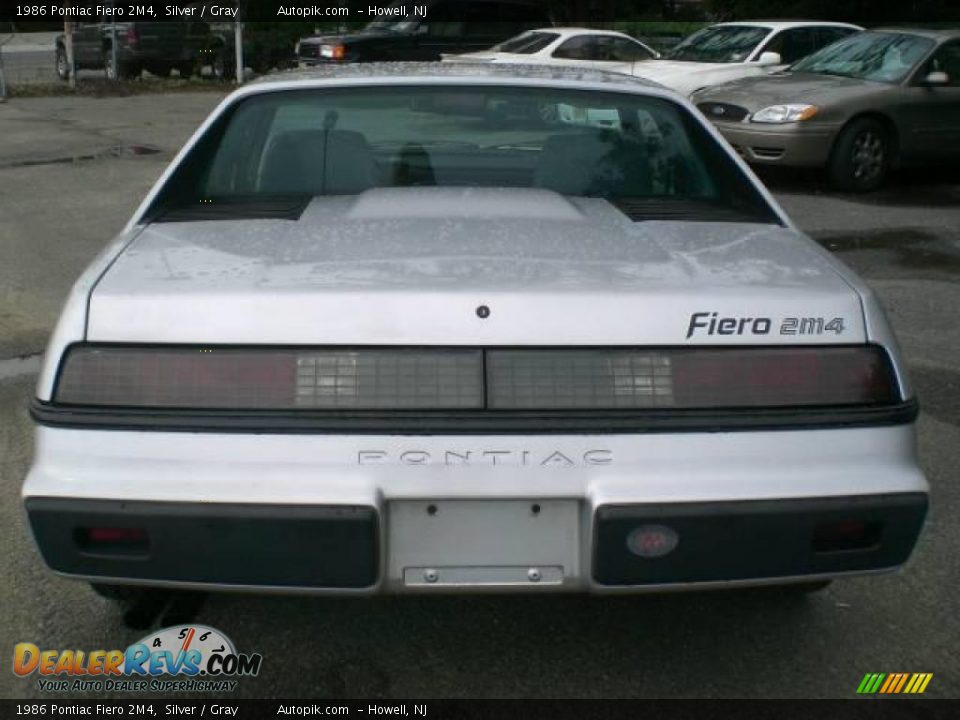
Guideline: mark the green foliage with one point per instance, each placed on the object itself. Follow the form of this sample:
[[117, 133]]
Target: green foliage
[[858, 11]]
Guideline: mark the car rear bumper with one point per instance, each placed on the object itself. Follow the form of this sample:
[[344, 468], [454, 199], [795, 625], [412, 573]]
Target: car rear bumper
[[371, 514], [157, 54], [306, 63], [785, 145], [337, 547]]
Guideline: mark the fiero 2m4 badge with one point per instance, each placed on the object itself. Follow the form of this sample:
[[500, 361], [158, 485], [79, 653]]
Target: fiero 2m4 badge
[[200, 658], [712, 323]]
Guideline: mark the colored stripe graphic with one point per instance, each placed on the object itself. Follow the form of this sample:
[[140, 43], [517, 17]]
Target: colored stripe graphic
[[891, 678], [894, 683], [923, 679]]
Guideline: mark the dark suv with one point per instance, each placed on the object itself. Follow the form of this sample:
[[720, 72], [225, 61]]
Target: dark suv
[[156, 47], [450, 26]]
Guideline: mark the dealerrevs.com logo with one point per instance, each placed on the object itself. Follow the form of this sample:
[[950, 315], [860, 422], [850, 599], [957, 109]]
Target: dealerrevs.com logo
[[196, 657]]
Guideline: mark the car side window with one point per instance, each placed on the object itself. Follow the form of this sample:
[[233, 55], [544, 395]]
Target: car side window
[[450, 28], [792, 44], [946, 60], [829, 35], [442, 22], [578, 48], [604, 49], [624, 50]]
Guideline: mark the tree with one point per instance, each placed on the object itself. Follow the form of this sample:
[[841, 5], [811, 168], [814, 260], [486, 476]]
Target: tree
[[860, 11]]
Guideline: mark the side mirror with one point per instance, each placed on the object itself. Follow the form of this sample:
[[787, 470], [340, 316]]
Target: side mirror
[[937, 77], [769, 58]]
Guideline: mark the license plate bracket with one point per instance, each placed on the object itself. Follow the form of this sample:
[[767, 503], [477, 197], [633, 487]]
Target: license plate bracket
[[483, 543]]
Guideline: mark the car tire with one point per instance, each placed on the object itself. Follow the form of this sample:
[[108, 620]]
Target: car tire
[[861, 156], [161, 71], [218, 68], [109, 71], [63, 67], [126, 596], [801, 588], [141, 606], [123, 71]]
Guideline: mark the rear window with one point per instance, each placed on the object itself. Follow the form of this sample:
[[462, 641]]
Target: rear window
[[720, 44], [308, 143], [527, 43]]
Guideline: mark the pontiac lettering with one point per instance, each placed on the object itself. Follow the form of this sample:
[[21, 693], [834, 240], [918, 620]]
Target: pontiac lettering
[[528, 458]]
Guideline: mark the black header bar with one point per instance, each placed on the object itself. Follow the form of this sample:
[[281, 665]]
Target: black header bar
[[153, 708], [363, 11]]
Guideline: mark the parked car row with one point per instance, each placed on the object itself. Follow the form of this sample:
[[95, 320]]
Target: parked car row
[[785, 93], [189, 47], [729, 51], [157, 48], [858, 107], [792, 94]]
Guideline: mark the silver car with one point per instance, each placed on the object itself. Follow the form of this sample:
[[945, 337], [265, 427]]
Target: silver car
[[346, 345], [858, 107]]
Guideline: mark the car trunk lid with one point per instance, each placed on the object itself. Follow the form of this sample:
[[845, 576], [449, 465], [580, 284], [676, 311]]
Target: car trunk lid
[[414, 266]]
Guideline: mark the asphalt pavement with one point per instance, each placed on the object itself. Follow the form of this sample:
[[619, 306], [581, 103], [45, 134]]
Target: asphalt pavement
[[71, 172]]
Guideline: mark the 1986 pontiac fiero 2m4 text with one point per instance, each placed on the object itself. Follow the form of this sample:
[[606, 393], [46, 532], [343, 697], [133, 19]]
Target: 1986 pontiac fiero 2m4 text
[[364, 336]]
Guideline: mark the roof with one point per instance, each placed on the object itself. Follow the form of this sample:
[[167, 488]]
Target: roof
[[453, 69], [567, 31], [784, 24], [934, 33]]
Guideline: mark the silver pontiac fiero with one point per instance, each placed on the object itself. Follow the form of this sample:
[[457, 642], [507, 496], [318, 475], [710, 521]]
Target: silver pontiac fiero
[[366, 336]]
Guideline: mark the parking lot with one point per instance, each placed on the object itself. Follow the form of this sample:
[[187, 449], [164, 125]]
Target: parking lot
[[72, 170]]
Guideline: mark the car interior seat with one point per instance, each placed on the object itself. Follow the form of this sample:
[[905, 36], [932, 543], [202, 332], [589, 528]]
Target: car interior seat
[[600, 163], [318, 162], [413, 167]]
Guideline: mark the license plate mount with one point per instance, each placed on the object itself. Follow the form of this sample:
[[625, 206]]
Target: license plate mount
[[483, 543]]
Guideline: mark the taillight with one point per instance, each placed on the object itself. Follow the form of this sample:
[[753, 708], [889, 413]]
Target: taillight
[[476, 379], [777, 377], [271, 379], [689, 378], [333, 52], [131, 35]]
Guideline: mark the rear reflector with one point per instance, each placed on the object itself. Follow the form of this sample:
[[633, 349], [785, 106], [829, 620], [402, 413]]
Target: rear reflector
[[846, 536], [111, 540], [474, 379]]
